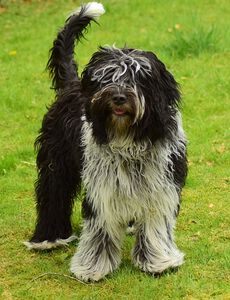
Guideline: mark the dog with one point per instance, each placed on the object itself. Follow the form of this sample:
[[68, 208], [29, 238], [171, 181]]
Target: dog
[[117, 132]]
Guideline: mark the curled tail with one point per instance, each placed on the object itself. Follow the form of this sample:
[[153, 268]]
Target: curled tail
[[61, 64]]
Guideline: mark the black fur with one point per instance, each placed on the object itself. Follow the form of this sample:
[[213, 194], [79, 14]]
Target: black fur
[[59, 165], [61, 64]]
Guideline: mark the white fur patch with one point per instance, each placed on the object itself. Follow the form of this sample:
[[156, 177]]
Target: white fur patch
[[161, 262], [124, 179], [45, 245], [92, 9], [116, 68]]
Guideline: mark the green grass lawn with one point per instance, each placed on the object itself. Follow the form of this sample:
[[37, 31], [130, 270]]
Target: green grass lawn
[[193, 39]]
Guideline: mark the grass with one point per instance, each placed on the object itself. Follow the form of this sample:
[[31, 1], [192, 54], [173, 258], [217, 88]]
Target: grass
[[192, 38], [192, 43]]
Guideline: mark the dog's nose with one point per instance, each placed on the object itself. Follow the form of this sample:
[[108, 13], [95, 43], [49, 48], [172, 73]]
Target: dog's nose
[[119, 99]]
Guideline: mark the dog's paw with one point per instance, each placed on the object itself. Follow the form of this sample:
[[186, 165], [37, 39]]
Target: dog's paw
[[84, 274], [160, 264], [92, 269], [88, 277], [46, 245]]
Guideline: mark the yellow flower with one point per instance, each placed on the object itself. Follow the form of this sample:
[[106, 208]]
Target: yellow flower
[[177, 26], [13, 53]]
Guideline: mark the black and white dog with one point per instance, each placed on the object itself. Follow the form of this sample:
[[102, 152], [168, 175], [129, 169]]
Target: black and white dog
[[117, 131]]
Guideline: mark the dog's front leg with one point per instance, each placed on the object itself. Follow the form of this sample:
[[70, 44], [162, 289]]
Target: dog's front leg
[[155, 250], [98, 252]]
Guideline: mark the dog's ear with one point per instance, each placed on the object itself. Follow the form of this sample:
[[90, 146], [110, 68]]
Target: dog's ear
[[163, 82], [97, 116], [162, 96]]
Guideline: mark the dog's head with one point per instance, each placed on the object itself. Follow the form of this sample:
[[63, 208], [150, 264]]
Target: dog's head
[[129, 94]]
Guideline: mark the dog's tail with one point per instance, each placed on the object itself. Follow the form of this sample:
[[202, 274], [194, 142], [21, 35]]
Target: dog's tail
[[61, 64]]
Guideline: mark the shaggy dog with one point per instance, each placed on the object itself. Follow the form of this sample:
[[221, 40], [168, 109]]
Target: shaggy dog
[[117, 131]]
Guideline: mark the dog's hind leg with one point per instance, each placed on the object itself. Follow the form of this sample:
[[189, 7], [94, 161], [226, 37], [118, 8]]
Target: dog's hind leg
[[55, 191], [58, 163], [155, 250]]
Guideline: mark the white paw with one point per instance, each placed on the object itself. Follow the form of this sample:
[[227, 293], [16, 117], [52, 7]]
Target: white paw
[[90, 269], [46, 245], [87, 273], [160, 263]]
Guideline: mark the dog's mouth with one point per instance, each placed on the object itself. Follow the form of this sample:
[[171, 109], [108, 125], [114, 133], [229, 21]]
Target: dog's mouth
[[119, 112]]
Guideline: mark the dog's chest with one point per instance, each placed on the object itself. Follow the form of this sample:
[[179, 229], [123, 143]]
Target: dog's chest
[[133, 172], [114, 174]]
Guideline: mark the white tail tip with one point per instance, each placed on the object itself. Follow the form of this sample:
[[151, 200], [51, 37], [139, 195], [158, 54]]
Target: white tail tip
[[92, 9]]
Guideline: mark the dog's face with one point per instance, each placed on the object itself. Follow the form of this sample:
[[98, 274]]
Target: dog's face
[[122, 107], [125, 96]]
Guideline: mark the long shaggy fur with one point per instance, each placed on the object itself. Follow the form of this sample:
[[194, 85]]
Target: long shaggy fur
[[117, 130]]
